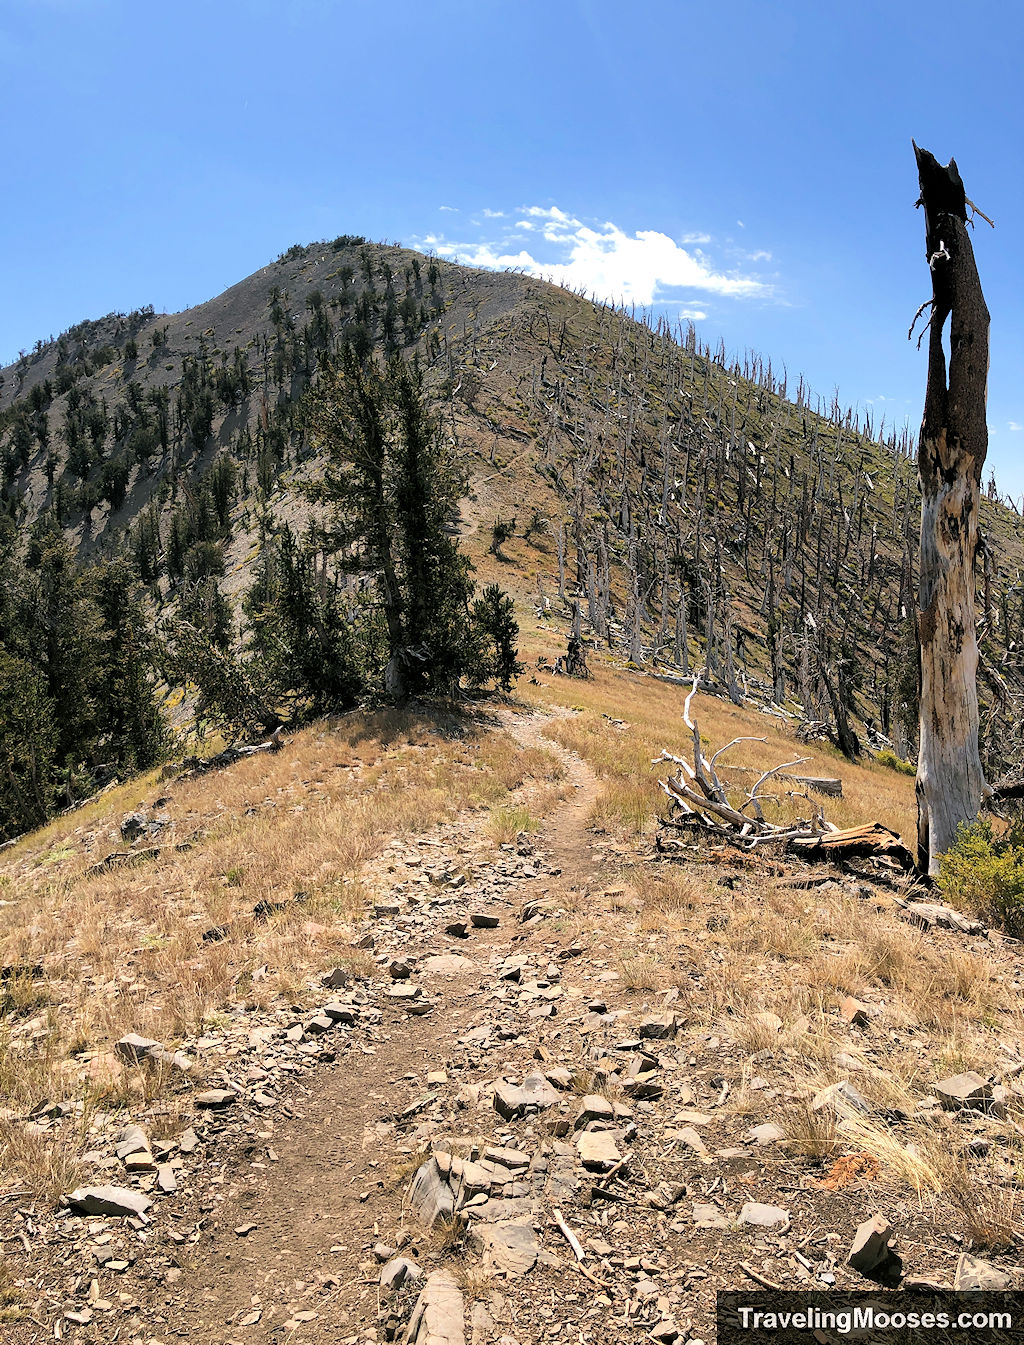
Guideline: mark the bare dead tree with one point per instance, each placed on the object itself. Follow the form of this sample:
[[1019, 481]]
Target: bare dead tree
[[954, 440]]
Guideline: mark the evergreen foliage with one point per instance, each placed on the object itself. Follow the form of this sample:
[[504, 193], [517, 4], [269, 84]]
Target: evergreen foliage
[[78, 701]]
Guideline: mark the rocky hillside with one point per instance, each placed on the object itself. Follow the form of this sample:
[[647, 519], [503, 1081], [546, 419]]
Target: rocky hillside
[[405, 1032], [695, 510]]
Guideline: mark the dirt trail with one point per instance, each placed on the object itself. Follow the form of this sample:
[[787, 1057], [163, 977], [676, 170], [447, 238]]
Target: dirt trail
[[323, 1188]]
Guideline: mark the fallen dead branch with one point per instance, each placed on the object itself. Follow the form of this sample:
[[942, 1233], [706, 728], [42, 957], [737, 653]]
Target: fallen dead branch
[[193, 766], [699, 800]]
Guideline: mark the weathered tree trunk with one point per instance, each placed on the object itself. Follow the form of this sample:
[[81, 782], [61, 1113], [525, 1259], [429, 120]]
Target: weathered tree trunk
[[954, 440]]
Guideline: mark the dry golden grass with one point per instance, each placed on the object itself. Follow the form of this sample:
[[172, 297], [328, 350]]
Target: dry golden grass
[[123, 950], [12, 1302], [653, 712]]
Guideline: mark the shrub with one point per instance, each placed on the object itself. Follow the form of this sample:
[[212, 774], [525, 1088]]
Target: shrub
[[983, 874], [887, 757]]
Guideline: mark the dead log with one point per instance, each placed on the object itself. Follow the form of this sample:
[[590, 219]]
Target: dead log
[[820, 784], [699, 800], [869, 842]]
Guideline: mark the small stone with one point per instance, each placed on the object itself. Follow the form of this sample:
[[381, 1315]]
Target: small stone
[[973, 1273], [507, 1158], [399, 970], [870, 1247], [594, 1107], [841, 1098], [397, 1272], [140, 1161], [188, 1141], [404, 990], [763, 1216], [458, 929], [317, 1026], [965, 1090], [336, 979], [340, 1013], [165, 1179], [484, 920], [766, 1134], [215, 1098], [855, 1013], [658, 1027], [243, 1230]]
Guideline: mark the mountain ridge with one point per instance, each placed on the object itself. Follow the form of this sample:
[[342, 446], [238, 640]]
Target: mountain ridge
[[692, 509]]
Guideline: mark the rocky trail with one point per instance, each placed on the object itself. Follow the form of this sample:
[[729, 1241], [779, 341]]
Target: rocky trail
[[496, 1134]]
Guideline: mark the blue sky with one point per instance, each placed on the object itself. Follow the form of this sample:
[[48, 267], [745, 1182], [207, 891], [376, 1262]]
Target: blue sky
[[752, 165]]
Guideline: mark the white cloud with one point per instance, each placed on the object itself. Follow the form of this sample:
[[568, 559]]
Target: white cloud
[[1015, 427], [449, 209], [493, 214], [605, 261], [692, 314]]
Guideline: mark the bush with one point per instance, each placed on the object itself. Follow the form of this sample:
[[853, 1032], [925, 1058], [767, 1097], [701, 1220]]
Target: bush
[[887, 757], [983, 875]]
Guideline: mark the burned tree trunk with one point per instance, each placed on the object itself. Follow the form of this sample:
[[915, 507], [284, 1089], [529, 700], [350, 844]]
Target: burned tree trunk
[[954, 440]]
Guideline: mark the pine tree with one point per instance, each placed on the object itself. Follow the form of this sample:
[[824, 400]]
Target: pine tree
[[494, 618], [392, 486], [130, 719], [300, 637]]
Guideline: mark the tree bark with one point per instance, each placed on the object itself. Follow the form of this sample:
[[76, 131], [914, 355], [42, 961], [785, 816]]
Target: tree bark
[[954, 441]]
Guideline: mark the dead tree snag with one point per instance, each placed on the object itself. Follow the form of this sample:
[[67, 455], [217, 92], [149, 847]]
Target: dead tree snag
[[954, 440]]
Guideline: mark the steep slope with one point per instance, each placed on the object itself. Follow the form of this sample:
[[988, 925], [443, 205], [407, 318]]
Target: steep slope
[[692, 510]]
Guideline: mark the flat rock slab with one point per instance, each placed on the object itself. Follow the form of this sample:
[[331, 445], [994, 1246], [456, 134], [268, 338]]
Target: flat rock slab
[[134, 1048], [965, 1090], [133, 1140], [594, 1107], [214, 1098], [484, 920], [438, 1317], [512, 1247], [533, 1094], [598, 1150], [766, 1134], [710, 1216], [114, 1200], [763, 1216], [448, 964]]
